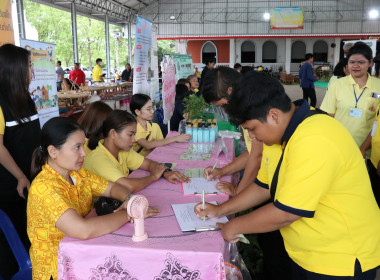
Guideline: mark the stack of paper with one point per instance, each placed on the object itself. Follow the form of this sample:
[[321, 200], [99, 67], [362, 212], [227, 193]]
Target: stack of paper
[[197, 185]]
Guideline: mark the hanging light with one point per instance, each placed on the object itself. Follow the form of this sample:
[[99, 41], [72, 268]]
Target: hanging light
[[373, 14], [266, 16]]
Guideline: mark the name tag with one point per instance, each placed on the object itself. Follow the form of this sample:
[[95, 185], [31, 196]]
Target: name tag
[[356, 113], [374, 128], [375, 95]]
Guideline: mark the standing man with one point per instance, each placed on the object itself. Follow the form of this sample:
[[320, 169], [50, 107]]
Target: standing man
[[60, 75], [97, 73], [307, 80], [77, 75]]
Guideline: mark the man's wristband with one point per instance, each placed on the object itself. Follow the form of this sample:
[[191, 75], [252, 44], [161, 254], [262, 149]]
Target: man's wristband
[[166, 170]]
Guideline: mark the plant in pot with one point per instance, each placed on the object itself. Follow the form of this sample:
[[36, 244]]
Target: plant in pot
[[194, 105]]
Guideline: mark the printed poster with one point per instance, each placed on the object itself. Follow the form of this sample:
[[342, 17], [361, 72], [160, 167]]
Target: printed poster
[[142, 56], [6, 26], [168, 87], [183, 65], [154, 84], [43, 88], [286, 18]]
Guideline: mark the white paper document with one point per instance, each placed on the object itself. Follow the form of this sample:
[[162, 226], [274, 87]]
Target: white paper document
[[188, 220], [196, 186]]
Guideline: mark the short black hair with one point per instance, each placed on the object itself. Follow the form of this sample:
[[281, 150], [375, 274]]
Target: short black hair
[[237, 65], [138, 101], [59, 62], [77, 63], [308, 56], [210, 60], [339, 68], [181, 91], [217, 81], [360, 48], [254, 96], [376, 60], [98, 59]]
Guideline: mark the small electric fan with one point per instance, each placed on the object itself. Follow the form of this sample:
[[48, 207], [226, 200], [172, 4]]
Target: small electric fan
[[137, 207]]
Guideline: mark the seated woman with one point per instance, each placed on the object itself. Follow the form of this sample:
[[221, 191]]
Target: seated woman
[[193, 83], [92, 122], [180, 93], [61, 196], [114, 156], [148, 135]]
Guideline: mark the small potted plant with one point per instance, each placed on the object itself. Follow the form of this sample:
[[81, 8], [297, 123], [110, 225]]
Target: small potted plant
[[194, 105]]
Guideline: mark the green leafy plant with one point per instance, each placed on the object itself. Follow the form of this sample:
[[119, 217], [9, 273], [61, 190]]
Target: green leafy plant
[[194, 105]]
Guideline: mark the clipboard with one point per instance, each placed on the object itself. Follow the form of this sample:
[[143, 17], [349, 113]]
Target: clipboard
[[188, 220], [196, 186]]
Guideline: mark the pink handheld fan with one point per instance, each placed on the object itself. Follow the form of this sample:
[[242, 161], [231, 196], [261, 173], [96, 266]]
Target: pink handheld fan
[[137, 207]]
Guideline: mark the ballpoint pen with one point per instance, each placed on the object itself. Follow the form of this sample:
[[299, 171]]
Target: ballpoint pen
[[203, 203], [213, 168]]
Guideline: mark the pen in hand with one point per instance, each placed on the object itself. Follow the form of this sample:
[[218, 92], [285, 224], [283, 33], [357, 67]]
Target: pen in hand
[[213, 168], [203, 203]]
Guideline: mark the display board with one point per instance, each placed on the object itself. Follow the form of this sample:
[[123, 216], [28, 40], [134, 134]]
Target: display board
[[43, 87], [6, 26], [183, 65], [286, 18], [168, 87]]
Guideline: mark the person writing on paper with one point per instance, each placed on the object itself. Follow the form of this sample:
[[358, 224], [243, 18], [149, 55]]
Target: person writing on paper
[[62, 193], [322, 198], [149, 135], [114, 157], [218, 86]]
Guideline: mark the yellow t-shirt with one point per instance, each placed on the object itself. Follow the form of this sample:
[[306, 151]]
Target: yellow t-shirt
[[96, 72], [154, 132], [340, 99], [49, 197], [247, 140], [103, 163], [324, 180], [375, 144]]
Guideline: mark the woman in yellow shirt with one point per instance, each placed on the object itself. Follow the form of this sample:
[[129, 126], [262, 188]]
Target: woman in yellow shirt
[[114, 157], [61, 196], [148, 135], [92, 122]]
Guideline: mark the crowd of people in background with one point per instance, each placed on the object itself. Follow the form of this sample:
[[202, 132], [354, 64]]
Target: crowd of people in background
[[306, 188]]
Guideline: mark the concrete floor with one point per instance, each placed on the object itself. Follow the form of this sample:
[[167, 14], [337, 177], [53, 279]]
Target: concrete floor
[[295, 92]]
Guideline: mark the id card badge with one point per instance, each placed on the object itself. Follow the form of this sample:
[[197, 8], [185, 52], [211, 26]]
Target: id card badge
[[356, 113], [374, 128]]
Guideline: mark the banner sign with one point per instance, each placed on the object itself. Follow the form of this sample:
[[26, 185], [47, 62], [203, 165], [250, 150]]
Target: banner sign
[[6, 26], [183, 65], [43, 87], [286, 18], [168, 87], [154, 83], [143, 42]]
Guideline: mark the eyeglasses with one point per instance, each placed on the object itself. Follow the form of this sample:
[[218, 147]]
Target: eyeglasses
[[360, 62], [150, 109]]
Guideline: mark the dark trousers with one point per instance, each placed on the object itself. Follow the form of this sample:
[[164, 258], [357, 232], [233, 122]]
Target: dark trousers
[[375, 181], [15, 208], [301, 274], [276, 261], [310, 93]]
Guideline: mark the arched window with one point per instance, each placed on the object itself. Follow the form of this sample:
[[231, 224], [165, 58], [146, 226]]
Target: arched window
[[298, 52], [320, 50], [269, 52], [247, 52], [209, 51]]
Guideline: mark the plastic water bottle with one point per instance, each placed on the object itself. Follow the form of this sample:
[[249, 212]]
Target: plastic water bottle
[[206, 134], [200, 134], [189, 130], [195, 134], [212, 133]]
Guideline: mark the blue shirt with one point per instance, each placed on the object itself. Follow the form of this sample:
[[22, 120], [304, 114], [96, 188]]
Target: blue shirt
[[307, 76]]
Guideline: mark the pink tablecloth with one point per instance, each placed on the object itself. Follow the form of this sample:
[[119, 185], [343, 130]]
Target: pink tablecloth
[[168, 253]]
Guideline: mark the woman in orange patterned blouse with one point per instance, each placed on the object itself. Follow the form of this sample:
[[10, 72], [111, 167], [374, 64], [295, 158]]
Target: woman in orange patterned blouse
[[61, 196]]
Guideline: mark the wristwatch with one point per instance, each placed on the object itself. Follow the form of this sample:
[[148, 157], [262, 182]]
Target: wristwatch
[[166, 170]]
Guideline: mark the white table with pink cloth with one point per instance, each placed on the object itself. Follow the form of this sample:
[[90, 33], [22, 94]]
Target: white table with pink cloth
[[168, 253]]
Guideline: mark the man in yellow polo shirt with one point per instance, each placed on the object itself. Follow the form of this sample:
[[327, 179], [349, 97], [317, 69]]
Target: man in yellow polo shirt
[[97, 73], [323, 202]]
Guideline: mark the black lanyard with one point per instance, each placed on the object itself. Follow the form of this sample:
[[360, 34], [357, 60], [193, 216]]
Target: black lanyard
[[357, 99]]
